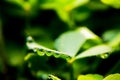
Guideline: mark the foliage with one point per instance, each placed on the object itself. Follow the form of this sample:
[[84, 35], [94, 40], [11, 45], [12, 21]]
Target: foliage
[[90, 77], [114, 3], [59, 40], [112, 77]]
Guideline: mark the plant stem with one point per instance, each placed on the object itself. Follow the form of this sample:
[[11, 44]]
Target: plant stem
[[71, 71]]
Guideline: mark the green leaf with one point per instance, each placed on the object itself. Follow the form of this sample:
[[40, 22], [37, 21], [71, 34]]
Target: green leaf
[[115, 43], [97, 5], [112, 77], [23, 3], [67, 5], [24, 7], [81, 13], [112, 37], [42, 59], [94, 51], [90, 77], [63, 7], [63, 15], [70, 42], [113, 3], [27, 57], [42, 51], [53, 77]]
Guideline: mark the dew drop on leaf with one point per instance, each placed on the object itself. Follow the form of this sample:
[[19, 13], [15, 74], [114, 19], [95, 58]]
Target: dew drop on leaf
[[30, 39], [68, 58], [57, 55], [49, 53], [34, 50], [104, 56], [63, 56], [40, 52]]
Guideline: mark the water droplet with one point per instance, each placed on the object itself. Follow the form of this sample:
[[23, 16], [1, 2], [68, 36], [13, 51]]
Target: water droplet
[[57, 55], [49, 53], [63, 56], [29, 39], [34, 50], [40, 52], [40, 49], [68, 58], [104, 56]]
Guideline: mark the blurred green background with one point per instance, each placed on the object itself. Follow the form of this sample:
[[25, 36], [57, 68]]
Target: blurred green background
[[45, 20]]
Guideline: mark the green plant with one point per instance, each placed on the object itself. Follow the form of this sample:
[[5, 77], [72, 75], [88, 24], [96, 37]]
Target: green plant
[[85, 39], [62, 42]]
